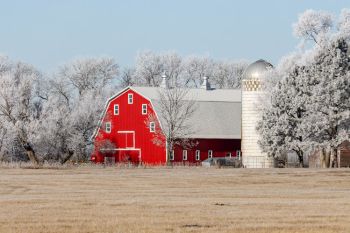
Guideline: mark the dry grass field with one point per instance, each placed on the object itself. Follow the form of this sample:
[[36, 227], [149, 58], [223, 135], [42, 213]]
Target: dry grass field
[[174, 200]]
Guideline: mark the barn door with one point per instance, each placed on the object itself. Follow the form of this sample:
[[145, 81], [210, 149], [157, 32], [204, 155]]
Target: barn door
[[127, 139]]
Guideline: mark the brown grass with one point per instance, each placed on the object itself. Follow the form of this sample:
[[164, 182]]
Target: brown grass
[[97, 199]]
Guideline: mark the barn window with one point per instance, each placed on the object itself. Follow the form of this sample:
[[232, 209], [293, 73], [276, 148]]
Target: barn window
[[116, 109], [238, 154], [198, 155], [228, 154], [184, 155], [210, 154], [172, 155], [144, 109], [152, 127], [130, 98], [108, 127]]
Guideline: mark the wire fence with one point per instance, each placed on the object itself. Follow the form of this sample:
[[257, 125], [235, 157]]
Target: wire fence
[[258, 162]]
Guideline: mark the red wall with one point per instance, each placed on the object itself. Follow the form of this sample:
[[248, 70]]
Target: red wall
[[219, 147], [130, 118]]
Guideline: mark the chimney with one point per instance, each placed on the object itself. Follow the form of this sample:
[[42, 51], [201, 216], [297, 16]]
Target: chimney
[[205, 85], [164, 84]]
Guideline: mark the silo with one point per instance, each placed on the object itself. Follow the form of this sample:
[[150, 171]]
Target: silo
[[252, 156]]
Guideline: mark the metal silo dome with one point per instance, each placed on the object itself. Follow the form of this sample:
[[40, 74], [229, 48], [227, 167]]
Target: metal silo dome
[[255, 69]]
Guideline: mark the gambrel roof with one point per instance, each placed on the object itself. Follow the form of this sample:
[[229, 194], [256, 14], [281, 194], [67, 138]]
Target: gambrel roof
[[217, 115], [218, 112]]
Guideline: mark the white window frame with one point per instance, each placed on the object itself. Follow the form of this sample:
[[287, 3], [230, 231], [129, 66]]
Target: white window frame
[[228, 153], [116, 107], [144, 109], [210, 154], [198, 155], [172, 155], [130, 98], [152, 127], [184, 155], [108, 127], [238, 154]]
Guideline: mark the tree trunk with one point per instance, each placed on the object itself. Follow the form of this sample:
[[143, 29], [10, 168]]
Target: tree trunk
[[169, 148], [333, 158], [66, 158], [322, 158], [327, 158], [301, 161], [31, 154]]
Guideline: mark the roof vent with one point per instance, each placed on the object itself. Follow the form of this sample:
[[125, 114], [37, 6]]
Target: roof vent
[[164, 84], [205, 85]]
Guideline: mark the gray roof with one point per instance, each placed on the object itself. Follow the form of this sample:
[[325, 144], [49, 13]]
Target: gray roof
[[218, 112], [255, 69], [219, 95]]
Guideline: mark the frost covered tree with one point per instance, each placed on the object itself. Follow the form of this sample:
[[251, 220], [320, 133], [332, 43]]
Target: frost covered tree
[[20, 107], [228, 74], [5, 66], [281, 127], [150, 66], [77, 95], [148, 69], [195, 68], [55, 132], [344, 24], [329, 118], [175, 109], [308, 108], [89, 73], [127, 78], [183, 71], [313, 25], [173, 68]]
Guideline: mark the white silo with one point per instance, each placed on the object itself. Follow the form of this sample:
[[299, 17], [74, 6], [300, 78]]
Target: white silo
[[252, 156]]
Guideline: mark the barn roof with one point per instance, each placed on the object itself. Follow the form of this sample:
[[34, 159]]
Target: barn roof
[[217, 95], [218, 112]]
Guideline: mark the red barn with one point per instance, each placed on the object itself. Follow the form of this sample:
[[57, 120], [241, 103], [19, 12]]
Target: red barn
[[124, 134]]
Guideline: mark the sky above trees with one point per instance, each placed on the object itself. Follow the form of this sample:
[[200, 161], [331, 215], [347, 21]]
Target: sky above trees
[[48, 33]]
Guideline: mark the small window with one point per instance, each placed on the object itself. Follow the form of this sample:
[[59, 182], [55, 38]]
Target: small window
[[238, 154], [144, 109], [152, 127], [228, 154], [116, 109], [184, 155], [172, 155], [108, 127], [198, 155], [130, 98], [210, 154]]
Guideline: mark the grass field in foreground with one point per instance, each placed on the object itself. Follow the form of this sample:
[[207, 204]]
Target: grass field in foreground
[[174, 200]]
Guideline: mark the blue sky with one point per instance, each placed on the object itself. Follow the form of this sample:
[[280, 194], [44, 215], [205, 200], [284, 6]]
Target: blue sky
[[48, 33]]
